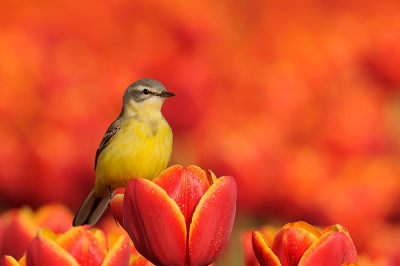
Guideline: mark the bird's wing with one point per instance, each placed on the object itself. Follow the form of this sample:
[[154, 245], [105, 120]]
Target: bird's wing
[[110, 133]]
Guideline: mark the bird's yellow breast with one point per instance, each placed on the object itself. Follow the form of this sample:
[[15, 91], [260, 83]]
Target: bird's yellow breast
[[140, 149]]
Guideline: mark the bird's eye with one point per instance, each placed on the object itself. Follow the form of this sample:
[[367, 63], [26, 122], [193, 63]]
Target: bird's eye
[[146, 91]]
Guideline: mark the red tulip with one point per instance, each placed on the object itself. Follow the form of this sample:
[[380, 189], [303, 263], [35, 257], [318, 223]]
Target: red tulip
[[303, 245], [184, 217]]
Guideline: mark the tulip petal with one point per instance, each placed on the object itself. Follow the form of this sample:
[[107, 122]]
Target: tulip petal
[[155, 223], [47, 233], [306, 226], [8, 261], [87, 247], [263, 252], [17, 224], [116, 208], [119, 253], [185, 186], [45, 252], [292, 241], [212, 222], [54, 216], [139, 261], [335, 246], [212, 178], [99, 239], [22, 261]]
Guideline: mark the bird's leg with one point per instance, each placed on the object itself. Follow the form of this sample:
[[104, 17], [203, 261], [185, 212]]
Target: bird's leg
[[108, 205], [109, 192], [110, 196], [116, 221]]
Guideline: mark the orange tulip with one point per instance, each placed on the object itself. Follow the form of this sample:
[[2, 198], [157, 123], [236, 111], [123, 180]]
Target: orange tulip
[[9, 261], [184, 217], [303, 245], [78, 246], [268, 232], [23, 223]]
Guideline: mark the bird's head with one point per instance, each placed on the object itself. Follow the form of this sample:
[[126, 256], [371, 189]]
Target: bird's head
[[144, 96]]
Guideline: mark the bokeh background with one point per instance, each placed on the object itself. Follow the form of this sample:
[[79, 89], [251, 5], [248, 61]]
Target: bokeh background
[[299, 102]]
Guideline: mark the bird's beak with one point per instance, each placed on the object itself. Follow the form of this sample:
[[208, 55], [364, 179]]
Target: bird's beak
[[165, 94]]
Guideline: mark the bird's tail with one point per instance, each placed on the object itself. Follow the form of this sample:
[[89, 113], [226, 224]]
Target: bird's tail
[[91, 209]]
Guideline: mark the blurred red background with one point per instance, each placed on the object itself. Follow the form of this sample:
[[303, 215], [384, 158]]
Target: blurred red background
[[299, 102]]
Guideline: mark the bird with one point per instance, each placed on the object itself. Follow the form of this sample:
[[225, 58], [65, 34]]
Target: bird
[[138, 144]]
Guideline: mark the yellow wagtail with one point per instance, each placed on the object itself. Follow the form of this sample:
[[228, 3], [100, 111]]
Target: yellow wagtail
[[137, 144]]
